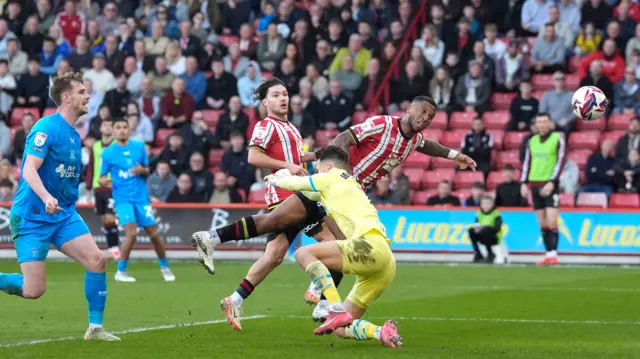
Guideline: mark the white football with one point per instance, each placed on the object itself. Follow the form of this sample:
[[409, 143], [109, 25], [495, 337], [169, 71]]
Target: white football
[[283, 173], [589, 103]]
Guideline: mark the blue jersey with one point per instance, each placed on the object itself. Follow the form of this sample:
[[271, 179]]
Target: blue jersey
[[118, 160], [59, 145]]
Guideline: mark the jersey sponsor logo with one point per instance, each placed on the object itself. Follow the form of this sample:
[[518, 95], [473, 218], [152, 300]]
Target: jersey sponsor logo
[[67, 171], [124, 174], [72, 140], [40, 139]]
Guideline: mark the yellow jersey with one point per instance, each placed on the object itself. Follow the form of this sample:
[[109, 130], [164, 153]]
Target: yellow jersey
[[343, 198]]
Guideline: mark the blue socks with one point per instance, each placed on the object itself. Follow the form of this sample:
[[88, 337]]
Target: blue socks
[[164, 263], [122, 265], [95, 290], [11, 283]]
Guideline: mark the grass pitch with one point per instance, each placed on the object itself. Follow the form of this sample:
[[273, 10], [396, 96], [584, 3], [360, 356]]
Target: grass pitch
[[443, 312]]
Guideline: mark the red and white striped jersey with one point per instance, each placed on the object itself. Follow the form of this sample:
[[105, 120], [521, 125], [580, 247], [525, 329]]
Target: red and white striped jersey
[[279, 140], [380, 147]]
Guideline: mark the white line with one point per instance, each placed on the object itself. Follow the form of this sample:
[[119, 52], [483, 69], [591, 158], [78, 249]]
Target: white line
[[126, 331], [501, 287]]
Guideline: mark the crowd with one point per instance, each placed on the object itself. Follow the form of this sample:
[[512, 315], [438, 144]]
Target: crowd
[[161, 64]]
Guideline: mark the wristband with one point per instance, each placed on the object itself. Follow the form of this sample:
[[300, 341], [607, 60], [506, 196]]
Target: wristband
[[452, 154]]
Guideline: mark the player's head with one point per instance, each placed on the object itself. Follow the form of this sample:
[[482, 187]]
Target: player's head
[[273, 94], [121, 129], [332, 157], [543, 123], [68, 91], [106, 127], [421, 112], [486, 203]]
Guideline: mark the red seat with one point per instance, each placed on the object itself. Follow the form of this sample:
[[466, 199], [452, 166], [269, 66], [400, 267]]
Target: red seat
[[226, 40], [542, 82], [267, 75], [572, 81], [502, 101], [162, 135], [49, 111], [156, 151], [440, 121], [251, 113], [495, 178], [625, 200], [415, 176], [496, 119], [462, 120], [431, 179], [513, 140], [580, 157], [439, 162], [619, 121], [421, 197], [358, 117], [597, 125], [614, 136], [418, 160], [586, 139], [432, 134], [498, 138], [16, 114], [592, 200], [452, 139], [324, 137], [13, 133], [215, 157], [465, 179], [574, 63], [242, 194], [567, 200], [256, 196], [511, 157], [211, 117], [253, 121]]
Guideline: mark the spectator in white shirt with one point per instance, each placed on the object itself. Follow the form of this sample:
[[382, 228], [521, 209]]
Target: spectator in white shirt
[[432, 47], [493, 47], [7, 84], [103, 80], [563, 30], [534, 15]]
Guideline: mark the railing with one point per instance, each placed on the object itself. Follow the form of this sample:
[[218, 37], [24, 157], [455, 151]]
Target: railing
[[416, 24]]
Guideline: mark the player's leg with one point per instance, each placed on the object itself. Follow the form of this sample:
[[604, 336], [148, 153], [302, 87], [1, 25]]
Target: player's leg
[[104, 208], [74, 240], [539, 208], [158, 246], [551, 215], [474, 238], [126, 215]]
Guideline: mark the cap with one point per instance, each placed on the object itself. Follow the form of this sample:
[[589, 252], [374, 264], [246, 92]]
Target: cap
[[99, 54]]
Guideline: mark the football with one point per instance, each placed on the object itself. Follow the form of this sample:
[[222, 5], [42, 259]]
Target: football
[[589, 103], [283, 173]]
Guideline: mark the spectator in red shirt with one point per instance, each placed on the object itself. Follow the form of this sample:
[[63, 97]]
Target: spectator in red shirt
[[177, 105], [612, 63], [71, 22]]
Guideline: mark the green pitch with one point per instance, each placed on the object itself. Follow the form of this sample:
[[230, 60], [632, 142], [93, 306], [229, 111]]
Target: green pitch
[[443, 312]]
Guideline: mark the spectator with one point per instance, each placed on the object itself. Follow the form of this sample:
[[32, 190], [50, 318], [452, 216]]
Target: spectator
[[630, 141], [247, 84], [336, 37], [627, 93], [95, 100], [240, 174], [508, 192], [597, 78], [235, 13], [96, 41], [137, 132], [45, 16], [488, 66], [32, 39], [14, 16], [432, 47], [126, 40], [424, 67], [102, 79], [5, 35], [348, 78], [144, 62], [201, 177], [599, 169], [118, 98], [221, 86], [400, 185], [473, 91], [557, 103], [197, 137], [562, 29], [570, 14], [196, 81], [134, 76], [303, 120], [94, 124], [478, 144], [409, 86], [80, 58], [176, 63], [233, 120], [511, 69], [318, 83], [588, 41], [17, 59], [223, 192], [523, 109], [176, 106], [20, 138], [161, 182], [248, 47], [462, 43], [494, 48], [444, 196], [156, 44], [441, 89], [237, 64], [633, 44], [322, 59], [90, 9], [477, 190], [149, 102], [33, 87], [549, 52], [175, 153], [487, 230], [113, 57], [161, 77], [627, 173], [612, 63], [626, 25], [7, 173], [71, 22], [569, 177], [109, 21], [613, 33], [369, 41], [271, 48], [286, 72], [183, 192], [535, 15], [369, 85], [361, 56], [469, 13], [7, 86], [596, 12], [5, 138], [337, 109], [189, 44], [49, 57], [6, 191], [383, 194], [143, 127]]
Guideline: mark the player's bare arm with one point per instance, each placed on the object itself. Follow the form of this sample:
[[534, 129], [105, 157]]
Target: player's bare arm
[[434, 149], [308, 157], [344, 140], [30, 174], [104, 181], [259, 159], [140, 170]]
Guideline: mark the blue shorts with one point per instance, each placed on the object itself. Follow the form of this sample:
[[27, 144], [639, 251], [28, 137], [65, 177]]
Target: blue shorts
[[32, 238], [140, 213]]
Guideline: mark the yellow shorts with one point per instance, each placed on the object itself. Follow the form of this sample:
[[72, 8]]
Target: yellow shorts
[[370, 259]]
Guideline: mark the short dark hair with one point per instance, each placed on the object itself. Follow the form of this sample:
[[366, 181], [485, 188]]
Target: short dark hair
[[162, 161], [4, 61], [63, 83], [477, 184], [549, 24], [120, 119], [236, 133], [445, 181], [543, 114], [426, 99], [49, 39], [486, 196], [6, 183], [260, 93], [333, 153]]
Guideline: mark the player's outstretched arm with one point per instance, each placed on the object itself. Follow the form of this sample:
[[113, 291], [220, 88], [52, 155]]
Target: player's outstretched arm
[[344, 140], [30, 174], [259, 159], [434, 149]]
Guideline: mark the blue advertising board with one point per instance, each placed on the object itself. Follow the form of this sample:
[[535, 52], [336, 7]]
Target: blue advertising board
[[447, 230]]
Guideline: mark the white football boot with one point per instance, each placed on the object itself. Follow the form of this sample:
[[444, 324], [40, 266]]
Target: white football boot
[[98, 333], [205, 242], [124, 277]]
